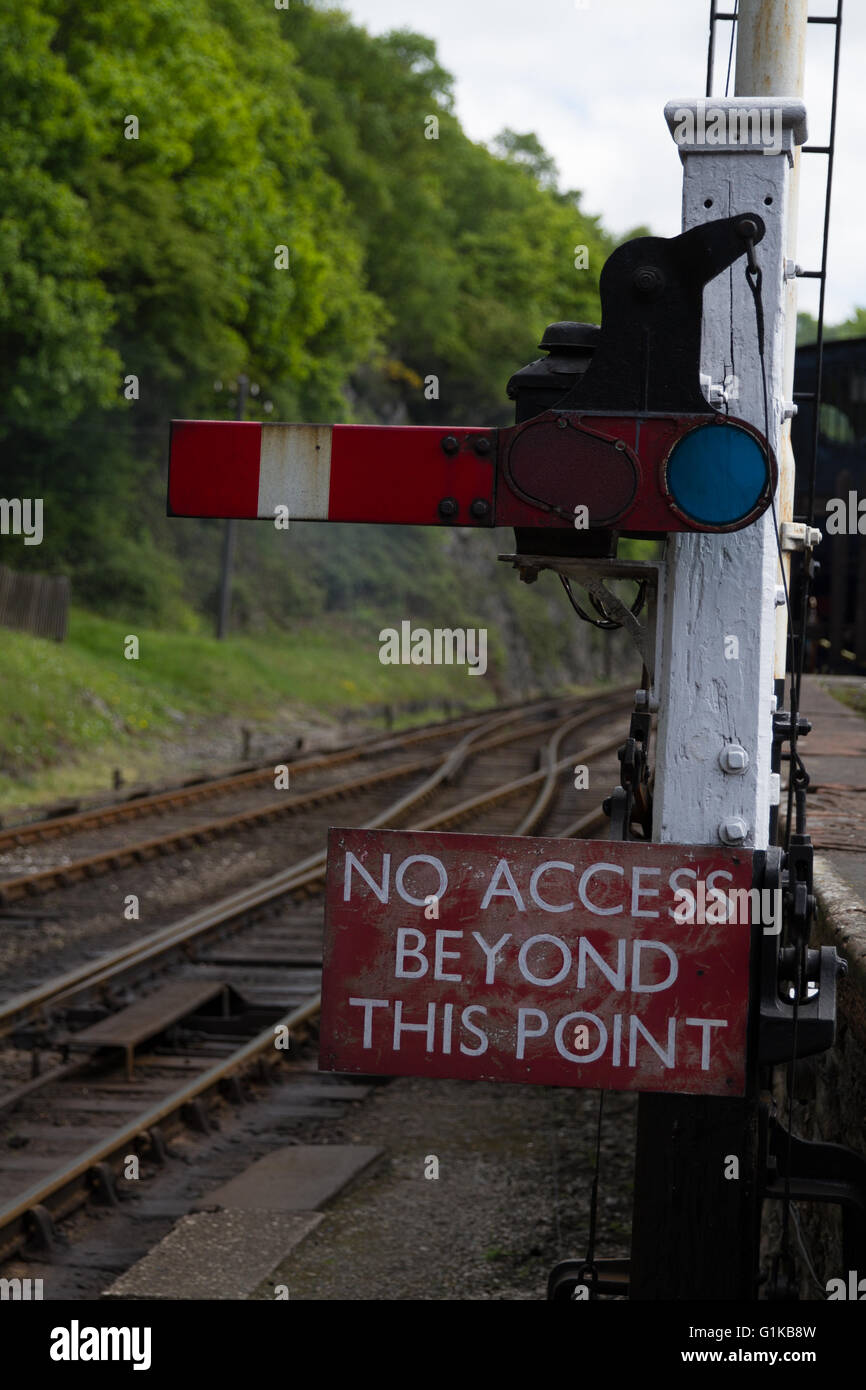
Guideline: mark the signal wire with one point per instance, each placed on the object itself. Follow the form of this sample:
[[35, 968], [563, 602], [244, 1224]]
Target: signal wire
[[754, 279]]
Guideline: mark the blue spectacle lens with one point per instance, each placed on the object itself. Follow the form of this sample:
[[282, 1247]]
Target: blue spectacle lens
[[717, 474]]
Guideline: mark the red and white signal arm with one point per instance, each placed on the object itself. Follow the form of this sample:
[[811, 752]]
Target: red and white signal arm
[[361, 473], [617, 965], [639, 474]]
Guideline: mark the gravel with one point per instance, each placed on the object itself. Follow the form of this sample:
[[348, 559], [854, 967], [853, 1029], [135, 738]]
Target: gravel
[[511, 1198]]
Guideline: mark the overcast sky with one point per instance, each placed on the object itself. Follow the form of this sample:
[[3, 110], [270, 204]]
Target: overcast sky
[[591, 78]]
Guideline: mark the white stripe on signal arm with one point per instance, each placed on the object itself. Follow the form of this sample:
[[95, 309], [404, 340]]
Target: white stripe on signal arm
[[295, 471]]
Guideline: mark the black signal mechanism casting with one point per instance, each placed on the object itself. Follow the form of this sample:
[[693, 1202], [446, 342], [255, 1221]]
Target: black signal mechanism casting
[[613, 434], [648, 355]]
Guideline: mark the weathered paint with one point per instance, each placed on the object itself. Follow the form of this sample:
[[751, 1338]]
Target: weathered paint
[[432, 997], [725, 587], [367, 473], [771, 48], [295, 470], [371, 473]]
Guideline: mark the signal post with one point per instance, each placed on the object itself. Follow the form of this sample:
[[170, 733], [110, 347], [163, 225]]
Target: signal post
[[696, 1228]]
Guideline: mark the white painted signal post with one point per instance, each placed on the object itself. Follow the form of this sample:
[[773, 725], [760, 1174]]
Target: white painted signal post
[[723, 645]]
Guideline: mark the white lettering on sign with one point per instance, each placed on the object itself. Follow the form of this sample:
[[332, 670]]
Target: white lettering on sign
[[706, 1024], [534, 1023], [585, 878], [539, 979], [381, 891], [511, 890], [437, 1021], [502, 883], [441, 953], [616, 978], [491, 952], [555, 962], [638, 947], [368, 1005], [533, 886], [420, 859], [412, 945], [400, 971]]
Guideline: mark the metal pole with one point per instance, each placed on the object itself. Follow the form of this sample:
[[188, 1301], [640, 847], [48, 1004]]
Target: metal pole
[[711, 48], [696, 1228], [228, 553]]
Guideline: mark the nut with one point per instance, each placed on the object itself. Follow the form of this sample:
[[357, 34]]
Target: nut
[[733, 831], [734, 758]]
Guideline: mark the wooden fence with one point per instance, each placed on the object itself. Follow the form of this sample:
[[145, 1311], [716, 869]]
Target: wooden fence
[[37, 603]]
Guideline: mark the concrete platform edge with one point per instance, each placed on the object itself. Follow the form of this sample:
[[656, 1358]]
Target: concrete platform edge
[[842, 923]]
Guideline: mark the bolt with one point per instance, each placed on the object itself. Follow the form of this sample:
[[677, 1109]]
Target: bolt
[[481, 444], [448, 507], [648, 279], [645, 699], [450, 444], [562, 423], [479, 507], [733, 758], [733, 831], [747, 229], [619, 444]]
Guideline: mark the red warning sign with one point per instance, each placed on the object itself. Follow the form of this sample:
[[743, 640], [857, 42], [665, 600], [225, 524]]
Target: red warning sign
[[561, 962]]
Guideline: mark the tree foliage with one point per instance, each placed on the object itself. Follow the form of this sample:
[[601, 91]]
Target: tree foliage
[[413, 252]]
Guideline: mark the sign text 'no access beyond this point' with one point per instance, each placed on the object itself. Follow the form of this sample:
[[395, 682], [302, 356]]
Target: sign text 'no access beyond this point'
[[559, 962]]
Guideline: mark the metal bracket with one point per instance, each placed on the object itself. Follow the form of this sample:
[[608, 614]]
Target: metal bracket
[[782, 725], [816, 1015], [594, 576], [631, 800], [784, 969], [600, 1277], [794, 967], [796, 535], [818, 1172]]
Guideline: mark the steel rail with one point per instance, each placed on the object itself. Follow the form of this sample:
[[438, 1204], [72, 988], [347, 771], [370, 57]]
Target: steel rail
[[68, 1186], [94, 975], [168, 798], [71, 1183], [43, 829], [121, 856], [467, 808]]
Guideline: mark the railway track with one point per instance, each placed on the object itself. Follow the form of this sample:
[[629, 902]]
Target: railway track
[[205, 998], [249, 787]]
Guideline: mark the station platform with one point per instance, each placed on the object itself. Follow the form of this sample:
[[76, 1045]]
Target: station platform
[[829, 1089], [835, 757]]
